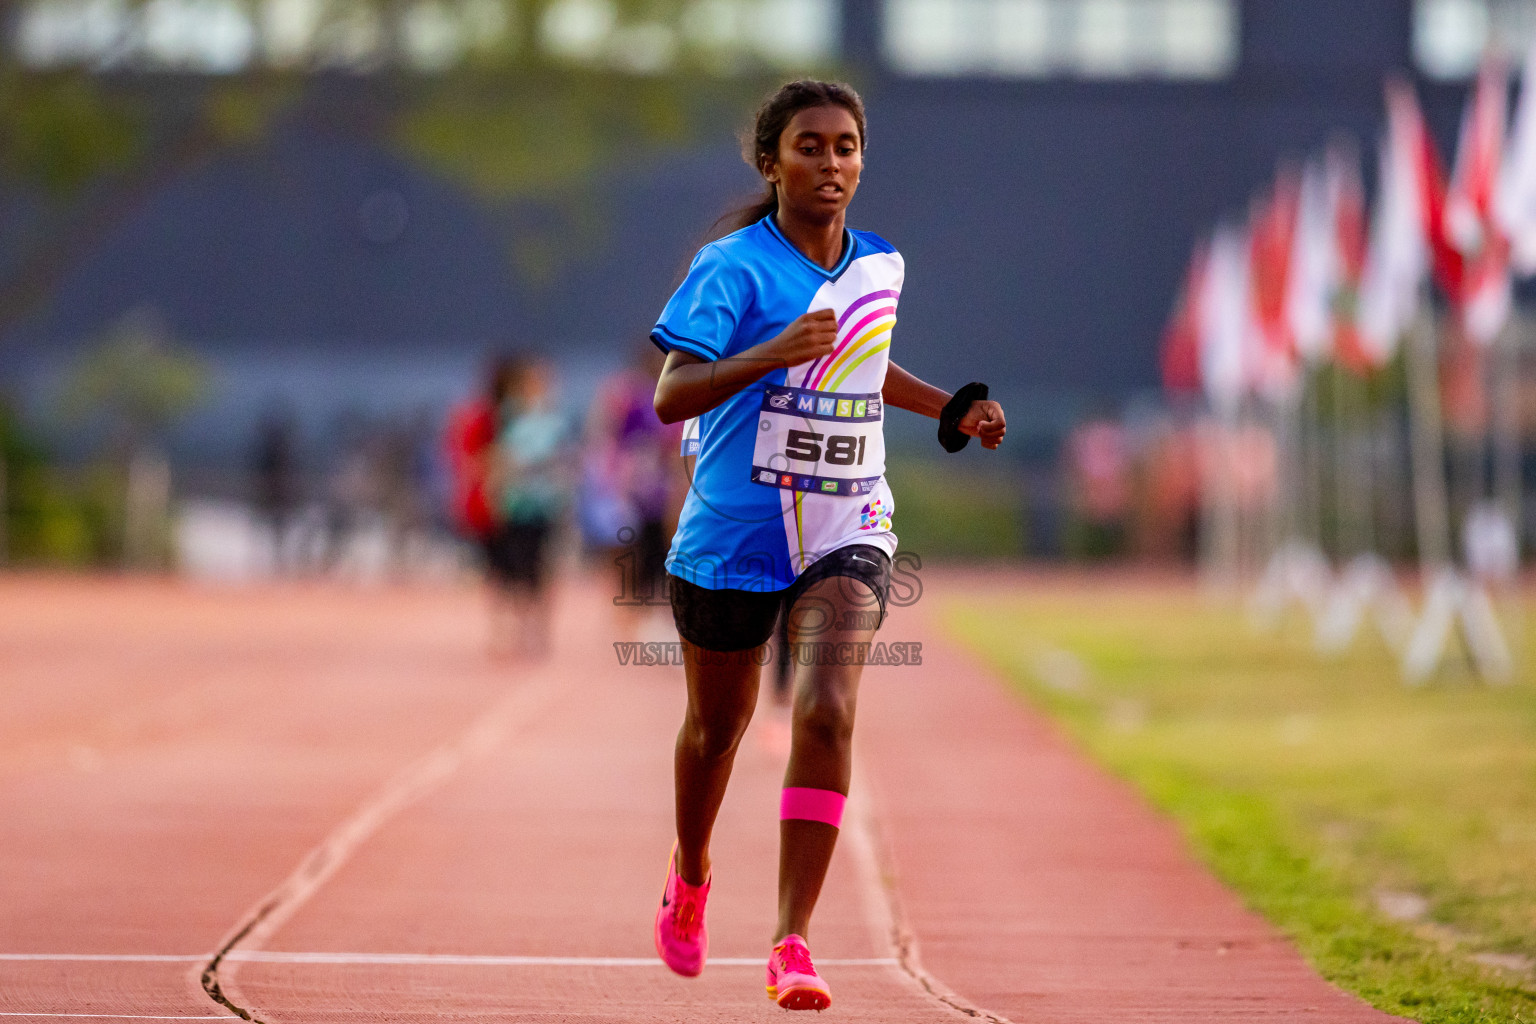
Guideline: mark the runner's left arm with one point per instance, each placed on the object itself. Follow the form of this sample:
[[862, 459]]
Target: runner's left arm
[[984, 420]]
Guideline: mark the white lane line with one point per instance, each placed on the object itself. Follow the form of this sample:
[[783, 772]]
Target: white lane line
[[112, 958], [882, 909], [456, 960], [411, 960], [405, 788], [119, 1016]]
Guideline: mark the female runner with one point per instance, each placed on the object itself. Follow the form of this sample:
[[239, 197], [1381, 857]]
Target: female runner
[[778, 341]]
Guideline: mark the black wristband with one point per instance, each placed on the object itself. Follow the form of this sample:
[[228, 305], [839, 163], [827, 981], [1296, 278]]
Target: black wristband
[[955, 410]]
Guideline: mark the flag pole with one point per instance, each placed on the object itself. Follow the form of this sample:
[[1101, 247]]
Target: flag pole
[[1449, 597], [1426, 438], [1346, 473], [1437, 579], [1311, 443], [1222, 530], [1285, 523], [1507, 483]]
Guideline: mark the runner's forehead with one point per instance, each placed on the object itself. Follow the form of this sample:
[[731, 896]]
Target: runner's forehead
[[828, 121]]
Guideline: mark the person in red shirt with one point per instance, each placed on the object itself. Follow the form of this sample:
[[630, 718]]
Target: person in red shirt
[[470, 443]]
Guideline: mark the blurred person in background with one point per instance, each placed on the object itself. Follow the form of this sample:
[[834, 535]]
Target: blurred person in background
[[274, 472], [527, 483], [1168, 527], [352, 494], [1099, 484], [633, 485], [468, 440], [1255, 468], [406, 488], [470, 443]]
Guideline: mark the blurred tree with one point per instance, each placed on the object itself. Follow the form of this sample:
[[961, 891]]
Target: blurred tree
[[92, 149], [42, 518], [518, 100], [137, 383], [514, 98], [136, 379]]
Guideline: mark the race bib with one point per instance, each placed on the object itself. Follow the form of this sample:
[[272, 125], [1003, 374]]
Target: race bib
[[820, 441]]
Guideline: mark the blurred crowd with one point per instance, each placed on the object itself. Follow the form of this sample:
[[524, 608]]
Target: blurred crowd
[[371, 512], [514, 483], [1134, 486]]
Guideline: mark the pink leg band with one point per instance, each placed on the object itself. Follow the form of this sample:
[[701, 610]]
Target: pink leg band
[[804, 804]]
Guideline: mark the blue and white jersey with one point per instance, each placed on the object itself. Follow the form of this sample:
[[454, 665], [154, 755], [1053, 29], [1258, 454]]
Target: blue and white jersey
[[792, 467]]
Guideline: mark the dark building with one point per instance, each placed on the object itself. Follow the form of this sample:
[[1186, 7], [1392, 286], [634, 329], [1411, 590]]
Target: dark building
[[1044, 186]]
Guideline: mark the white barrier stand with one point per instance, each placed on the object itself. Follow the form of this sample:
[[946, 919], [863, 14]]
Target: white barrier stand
[[1450, 596], [1297, 574], [1365, 585], [1452, 599]]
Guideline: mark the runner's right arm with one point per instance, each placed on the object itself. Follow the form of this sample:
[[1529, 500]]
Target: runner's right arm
[[690, 386]]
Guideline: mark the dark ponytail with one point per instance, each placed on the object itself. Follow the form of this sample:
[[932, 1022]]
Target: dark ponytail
[[772, 118]]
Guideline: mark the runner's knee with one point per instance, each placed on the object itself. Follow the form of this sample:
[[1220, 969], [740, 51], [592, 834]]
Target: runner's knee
[[714, 739], [826, 719]]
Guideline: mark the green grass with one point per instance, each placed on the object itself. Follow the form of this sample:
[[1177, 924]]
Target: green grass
[[987, 524], [1320, 789]]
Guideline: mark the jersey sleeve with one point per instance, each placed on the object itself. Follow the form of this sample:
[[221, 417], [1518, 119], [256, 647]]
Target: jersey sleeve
[[702, 315]]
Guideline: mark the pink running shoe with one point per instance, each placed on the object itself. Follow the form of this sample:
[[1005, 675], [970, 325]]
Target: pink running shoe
[[792, 979], [682, 941]]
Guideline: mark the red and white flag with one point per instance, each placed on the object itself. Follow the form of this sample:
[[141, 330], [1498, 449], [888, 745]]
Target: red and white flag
[[1469, 223], [1180, 355], [1327, 259], [1313, 285], [1225, 313], [1398, 255], [1446, 263], [1515, 199], [1271, 239], [1349, 239]]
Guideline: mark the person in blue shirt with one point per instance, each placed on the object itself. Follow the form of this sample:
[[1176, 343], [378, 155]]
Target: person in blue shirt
[[778, 343], [528, 483]]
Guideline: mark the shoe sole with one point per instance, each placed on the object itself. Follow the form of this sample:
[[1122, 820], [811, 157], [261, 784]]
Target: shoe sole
[[686, 973], [800, 998]]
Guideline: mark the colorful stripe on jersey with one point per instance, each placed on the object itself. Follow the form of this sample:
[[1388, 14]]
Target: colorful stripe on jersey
[[870, 334]]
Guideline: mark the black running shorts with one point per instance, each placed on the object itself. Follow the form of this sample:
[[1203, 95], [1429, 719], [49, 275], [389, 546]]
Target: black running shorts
[[740, 620]]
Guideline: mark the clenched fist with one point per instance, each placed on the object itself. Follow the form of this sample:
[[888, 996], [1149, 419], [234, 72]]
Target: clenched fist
[[984, 421], [809, 336]]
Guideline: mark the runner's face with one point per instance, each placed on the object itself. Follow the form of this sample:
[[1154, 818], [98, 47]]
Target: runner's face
[[818, 164]]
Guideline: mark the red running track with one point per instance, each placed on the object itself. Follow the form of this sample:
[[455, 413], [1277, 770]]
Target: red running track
[[322, 804]]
